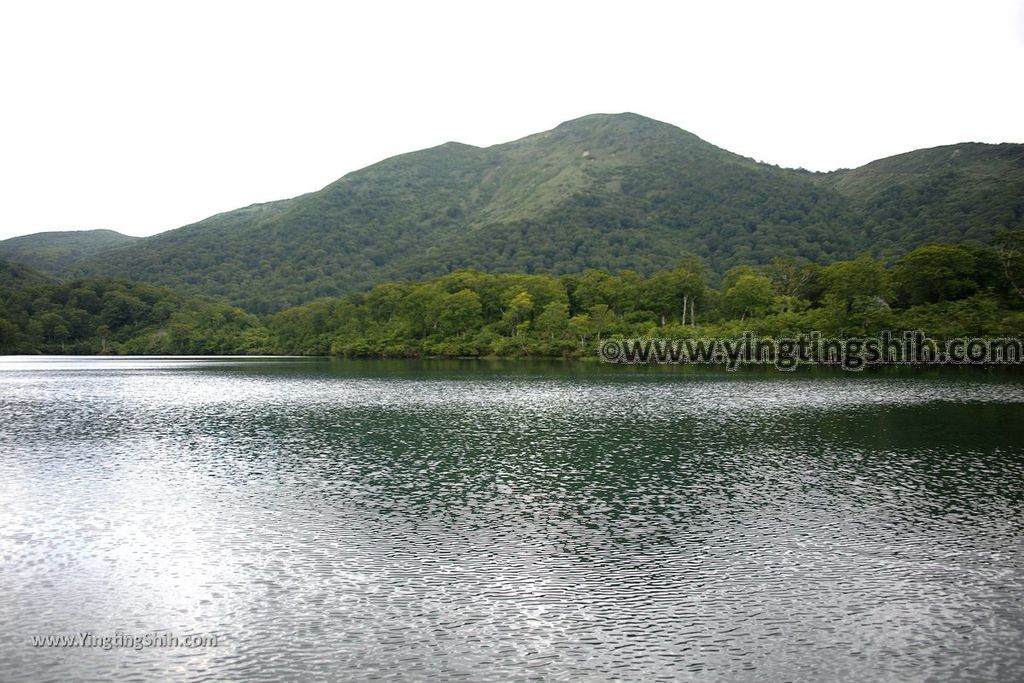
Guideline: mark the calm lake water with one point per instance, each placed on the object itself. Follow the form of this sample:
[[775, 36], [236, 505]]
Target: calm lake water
[[495, 521]]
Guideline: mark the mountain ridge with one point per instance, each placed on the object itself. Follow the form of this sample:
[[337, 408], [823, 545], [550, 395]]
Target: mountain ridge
[[608, 191], [55, 251]]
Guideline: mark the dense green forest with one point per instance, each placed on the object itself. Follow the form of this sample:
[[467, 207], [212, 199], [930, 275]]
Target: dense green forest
[[56, 253], [605, 192], [103, 315], [944, 290]]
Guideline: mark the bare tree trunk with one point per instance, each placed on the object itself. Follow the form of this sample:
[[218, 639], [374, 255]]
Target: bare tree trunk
[[693, 312], [1007, 256], [686, 299]]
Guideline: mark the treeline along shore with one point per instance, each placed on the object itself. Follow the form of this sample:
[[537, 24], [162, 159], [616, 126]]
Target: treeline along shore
[[944, 290]]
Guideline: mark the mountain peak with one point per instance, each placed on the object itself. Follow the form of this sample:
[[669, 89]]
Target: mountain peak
[[624, 122]]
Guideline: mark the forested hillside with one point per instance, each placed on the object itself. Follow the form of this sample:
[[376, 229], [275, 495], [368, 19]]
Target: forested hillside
[[103, 315], [607, 192], [55, 253], [955, 193]]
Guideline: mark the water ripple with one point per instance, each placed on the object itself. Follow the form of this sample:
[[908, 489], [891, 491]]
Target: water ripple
[[332, 520]]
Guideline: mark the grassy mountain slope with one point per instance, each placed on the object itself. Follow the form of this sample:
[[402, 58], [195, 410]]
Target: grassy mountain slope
[[56, 252], [604, 191]]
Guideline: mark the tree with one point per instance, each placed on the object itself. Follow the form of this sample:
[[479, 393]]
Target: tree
[[383, 301], [8, 336], [517, 309], [553, 320], [591, 288], [601, 319], [750, 294], [1010, 247], [122, 309], [791, 276], [627, 291], [422, 307], [847, 281], [579, 326], [461, 313], [934, 272], [674, 293], [54, 327]]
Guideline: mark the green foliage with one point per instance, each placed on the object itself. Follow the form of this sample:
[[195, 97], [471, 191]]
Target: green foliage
[[616, 193], [945, 291], [849, 284], [56, 253], [935, 272], [748, 294], [460, 312], [92, 315], [1009, 254], [963, 193], [974, 316], [554, 321], [473, 313]]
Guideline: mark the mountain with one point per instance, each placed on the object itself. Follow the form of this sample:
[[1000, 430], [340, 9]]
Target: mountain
[[56, 252], [954, 193], [603, 191]]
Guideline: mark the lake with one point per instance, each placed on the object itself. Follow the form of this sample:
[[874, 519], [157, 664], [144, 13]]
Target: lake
[[327, 519]]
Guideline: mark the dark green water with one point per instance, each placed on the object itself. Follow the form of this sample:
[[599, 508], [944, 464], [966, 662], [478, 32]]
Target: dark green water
[[437, 520]]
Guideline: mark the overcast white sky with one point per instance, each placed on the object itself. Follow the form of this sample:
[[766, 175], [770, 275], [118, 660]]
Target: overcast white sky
[[145, 116]]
